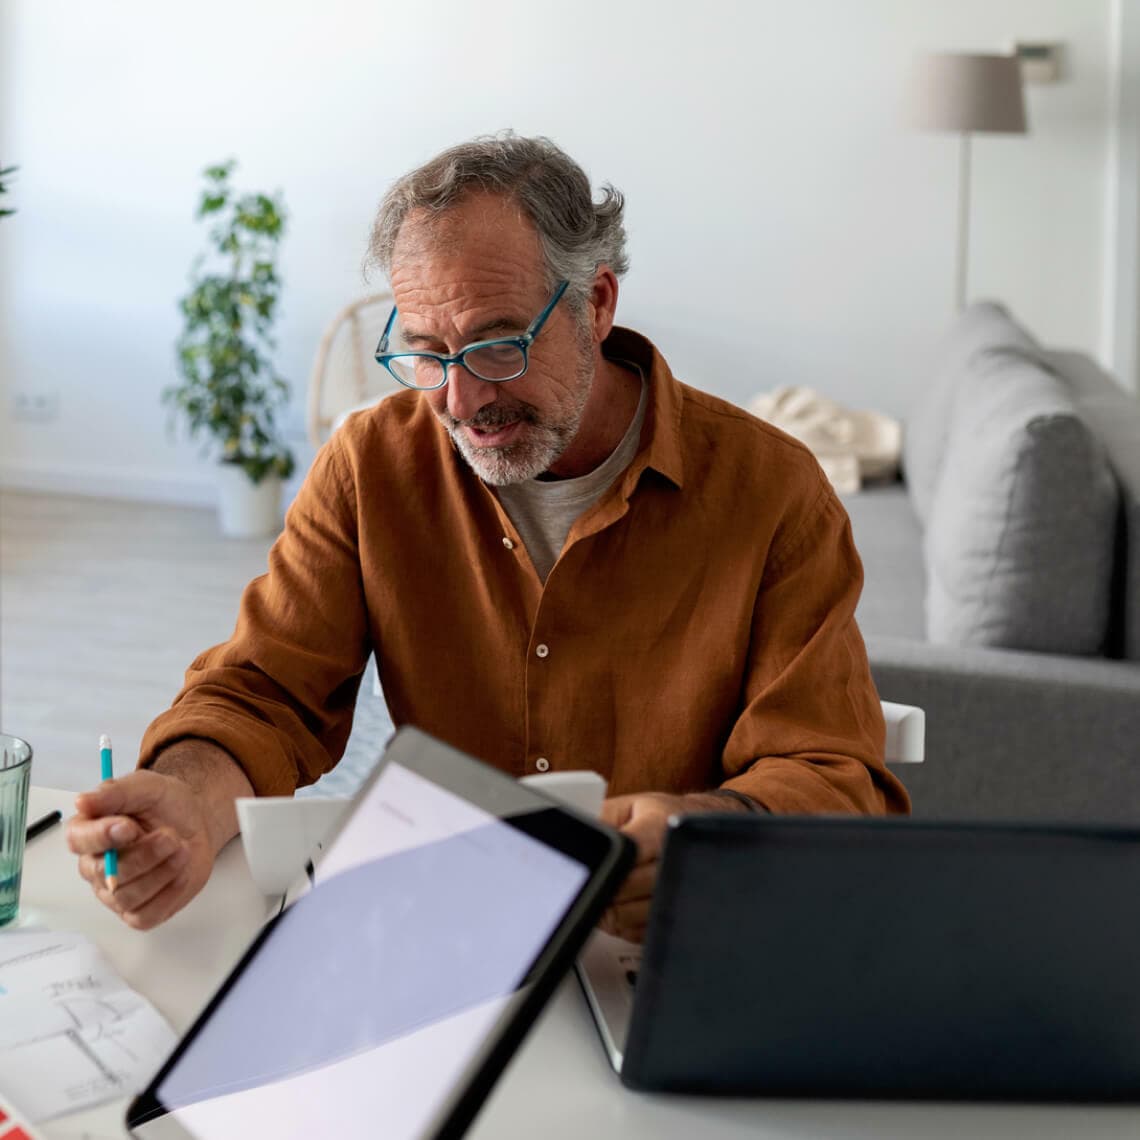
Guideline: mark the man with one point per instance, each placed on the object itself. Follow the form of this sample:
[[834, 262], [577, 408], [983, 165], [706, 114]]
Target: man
[[561, 556]]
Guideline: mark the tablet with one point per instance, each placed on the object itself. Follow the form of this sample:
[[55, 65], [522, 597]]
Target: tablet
[[391, 991]]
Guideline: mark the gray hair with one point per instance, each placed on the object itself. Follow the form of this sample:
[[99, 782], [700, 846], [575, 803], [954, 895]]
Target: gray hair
[[577, 234]]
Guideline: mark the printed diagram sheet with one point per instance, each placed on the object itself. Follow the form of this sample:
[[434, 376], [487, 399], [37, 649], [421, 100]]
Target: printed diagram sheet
[[72, 1034]]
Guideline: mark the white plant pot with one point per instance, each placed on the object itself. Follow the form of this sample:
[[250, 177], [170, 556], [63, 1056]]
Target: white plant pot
[[247, 509]]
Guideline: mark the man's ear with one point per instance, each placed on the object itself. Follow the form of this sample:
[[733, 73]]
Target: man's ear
[[603, 302]]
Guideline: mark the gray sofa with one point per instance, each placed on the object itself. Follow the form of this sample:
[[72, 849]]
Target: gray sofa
[[1003, 581]]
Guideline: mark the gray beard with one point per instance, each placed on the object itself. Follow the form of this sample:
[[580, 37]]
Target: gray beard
[[544, 443], [517, 462]]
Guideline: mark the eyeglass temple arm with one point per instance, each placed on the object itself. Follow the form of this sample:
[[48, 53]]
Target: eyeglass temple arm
[[540, 320], [382, 347]]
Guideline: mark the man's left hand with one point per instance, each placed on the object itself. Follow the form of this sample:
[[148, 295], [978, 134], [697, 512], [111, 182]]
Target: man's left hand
[[643, 818]]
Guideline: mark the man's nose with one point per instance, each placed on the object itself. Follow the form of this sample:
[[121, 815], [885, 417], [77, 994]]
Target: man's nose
[[466, 393]]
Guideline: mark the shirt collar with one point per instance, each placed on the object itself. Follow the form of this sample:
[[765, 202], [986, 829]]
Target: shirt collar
[[661, 435]]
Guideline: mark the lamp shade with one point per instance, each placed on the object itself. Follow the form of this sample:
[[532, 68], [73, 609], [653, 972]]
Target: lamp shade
[[952, 91]]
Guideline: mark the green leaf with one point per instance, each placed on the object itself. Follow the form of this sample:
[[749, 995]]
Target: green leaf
[[229, 391], [211, 204], [221, 171]]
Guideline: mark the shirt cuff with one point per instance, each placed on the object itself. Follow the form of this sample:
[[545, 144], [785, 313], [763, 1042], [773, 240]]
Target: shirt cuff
[[749, 803]]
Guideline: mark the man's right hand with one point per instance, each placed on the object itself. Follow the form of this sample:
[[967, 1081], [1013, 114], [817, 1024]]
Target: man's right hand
[[166, 823], [157, 825]]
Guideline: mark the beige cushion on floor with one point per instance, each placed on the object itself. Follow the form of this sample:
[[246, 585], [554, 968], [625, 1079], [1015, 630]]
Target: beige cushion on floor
[[851, 446]]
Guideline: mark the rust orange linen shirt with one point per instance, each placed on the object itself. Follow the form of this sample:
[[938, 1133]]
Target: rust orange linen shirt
[[697, 630]]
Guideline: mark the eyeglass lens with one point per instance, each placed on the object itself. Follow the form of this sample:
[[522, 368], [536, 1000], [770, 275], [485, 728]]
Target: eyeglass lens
[[489, 362]]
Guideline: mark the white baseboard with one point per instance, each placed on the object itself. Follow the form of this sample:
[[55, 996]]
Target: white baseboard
[[127, 483]]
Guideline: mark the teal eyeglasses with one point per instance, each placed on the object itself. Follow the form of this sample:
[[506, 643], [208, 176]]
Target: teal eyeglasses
[[499, 360]]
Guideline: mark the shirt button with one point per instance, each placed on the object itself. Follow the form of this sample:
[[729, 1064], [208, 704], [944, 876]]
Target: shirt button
[[508, 543], [542, 650], [542, 764]]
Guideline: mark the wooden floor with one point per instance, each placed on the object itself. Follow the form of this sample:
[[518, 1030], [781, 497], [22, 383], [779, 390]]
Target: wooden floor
[[102, 606]]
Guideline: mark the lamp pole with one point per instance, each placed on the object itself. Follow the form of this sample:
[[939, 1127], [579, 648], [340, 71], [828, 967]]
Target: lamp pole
[[963, 220], [965, 93]]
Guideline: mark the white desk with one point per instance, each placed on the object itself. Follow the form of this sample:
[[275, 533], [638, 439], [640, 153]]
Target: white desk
[[559, 1086]]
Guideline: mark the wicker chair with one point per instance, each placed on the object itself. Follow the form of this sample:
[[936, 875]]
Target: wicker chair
[[345, 376]]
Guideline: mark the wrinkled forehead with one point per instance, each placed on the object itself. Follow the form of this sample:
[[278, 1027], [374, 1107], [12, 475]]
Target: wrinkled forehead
[[483, 236]]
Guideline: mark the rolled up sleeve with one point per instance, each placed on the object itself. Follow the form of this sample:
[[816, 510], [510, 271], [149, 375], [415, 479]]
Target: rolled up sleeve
[[279, 694], [810, 736]]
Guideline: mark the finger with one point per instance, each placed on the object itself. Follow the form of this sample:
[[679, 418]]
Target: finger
[[150, 852], [103, 895], [152, 849], [638, 884], [93, 868], [616, 811], [113, 901], [94, 836], [612, 923], [135, 896], [124, 795], [170, 899], [647, 830], [630, 920]]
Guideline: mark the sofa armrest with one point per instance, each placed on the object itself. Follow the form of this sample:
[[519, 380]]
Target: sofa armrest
[[1017, 735]]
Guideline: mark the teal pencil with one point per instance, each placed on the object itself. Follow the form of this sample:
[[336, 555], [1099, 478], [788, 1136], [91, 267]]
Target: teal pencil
[[110, 858]]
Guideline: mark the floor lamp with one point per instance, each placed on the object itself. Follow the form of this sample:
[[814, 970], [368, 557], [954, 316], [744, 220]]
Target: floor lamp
[[967, 93]]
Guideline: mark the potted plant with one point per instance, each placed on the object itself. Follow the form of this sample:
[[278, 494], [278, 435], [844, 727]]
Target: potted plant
[[6, 172], [229, 390]]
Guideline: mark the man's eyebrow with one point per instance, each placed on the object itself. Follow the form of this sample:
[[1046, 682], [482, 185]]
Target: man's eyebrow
[[480, 332]]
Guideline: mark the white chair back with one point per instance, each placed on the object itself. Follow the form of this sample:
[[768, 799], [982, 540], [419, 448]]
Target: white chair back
[[345, 374]]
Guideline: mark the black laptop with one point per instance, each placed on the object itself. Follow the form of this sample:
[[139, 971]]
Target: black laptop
[[881, 958]]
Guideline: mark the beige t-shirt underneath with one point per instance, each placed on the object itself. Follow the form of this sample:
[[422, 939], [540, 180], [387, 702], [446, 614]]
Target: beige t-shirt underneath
[[544, 510]]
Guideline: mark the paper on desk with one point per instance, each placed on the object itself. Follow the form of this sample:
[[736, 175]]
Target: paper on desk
[[14, 1125], [72, 1033]]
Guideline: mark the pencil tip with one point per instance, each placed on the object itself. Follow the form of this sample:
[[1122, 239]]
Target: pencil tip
[[112, 883]]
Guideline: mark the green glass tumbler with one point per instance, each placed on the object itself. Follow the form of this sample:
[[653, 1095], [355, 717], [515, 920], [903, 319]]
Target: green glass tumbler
[[15, 779]]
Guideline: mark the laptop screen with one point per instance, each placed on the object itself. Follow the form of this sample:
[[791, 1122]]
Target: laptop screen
[[377, 989]]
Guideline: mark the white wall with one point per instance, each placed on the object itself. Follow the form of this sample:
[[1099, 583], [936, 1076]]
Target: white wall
[[784, 227], [1120, 317]]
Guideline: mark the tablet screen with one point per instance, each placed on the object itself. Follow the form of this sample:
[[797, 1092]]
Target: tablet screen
[[375, 991]]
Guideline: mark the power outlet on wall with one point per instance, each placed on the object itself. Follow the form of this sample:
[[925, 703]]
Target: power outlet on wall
[[1040, 61], [35, 406]]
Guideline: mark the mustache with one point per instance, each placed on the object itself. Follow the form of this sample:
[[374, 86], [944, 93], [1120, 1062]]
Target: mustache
[[497, 416]]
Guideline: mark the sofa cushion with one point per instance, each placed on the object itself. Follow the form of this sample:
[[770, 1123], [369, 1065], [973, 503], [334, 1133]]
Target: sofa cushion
[[985, 327], [1114, 414], [1019, 542]]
